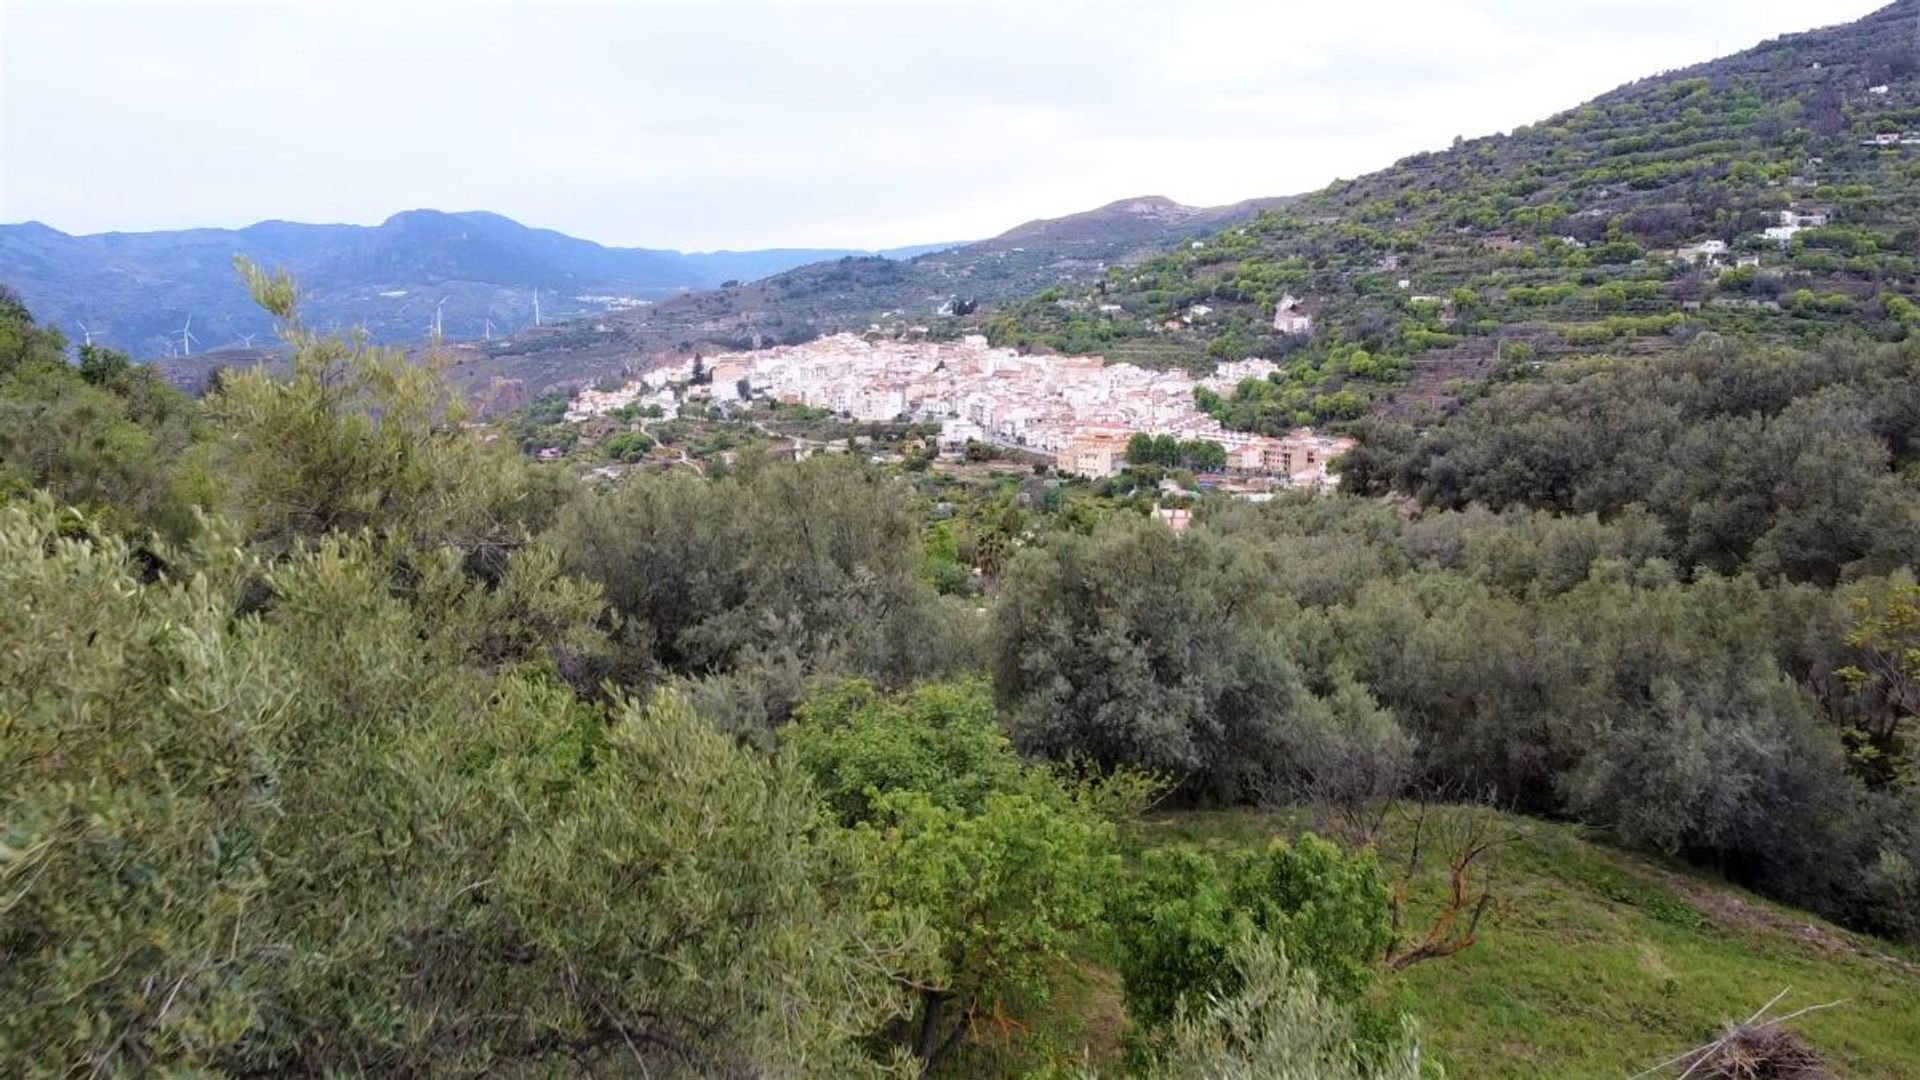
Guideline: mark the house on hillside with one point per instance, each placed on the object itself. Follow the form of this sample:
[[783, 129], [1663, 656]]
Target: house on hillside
[[1806, 219], [1291, 317], [1704, 253], [1300, 458], [1095, 456], [956, 433]]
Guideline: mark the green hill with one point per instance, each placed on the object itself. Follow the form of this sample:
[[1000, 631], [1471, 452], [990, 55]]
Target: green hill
[[1581, 233], [1593, 963]]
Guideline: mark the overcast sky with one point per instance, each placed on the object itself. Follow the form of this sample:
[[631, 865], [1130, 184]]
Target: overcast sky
[[700, 124]]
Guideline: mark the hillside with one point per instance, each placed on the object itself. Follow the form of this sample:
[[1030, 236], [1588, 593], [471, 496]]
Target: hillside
[[1601, 963], [854, 291], [136, 290], [1625, 225]]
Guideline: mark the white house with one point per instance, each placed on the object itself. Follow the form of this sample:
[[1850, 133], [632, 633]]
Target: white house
[[1710, 252], [1288, 318], [955, 434]]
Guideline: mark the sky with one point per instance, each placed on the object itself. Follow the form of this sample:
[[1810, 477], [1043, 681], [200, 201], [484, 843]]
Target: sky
[[705, 124]]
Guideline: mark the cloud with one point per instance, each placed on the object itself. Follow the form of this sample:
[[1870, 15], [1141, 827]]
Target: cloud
[[746, 123]]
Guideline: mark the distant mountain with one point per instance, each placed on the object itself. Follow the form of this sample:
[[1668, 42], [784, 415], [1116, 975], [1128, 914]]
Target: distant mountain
[[852, 292], [1774, 193], [1149, 220], [136, 291]]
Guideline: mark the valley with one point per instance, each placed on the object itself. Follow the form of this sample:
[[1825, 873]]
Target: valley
[[1459, 620]]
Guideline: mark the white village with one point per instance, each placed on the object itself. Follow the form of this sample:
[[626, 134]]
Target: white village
[[1078, 409]]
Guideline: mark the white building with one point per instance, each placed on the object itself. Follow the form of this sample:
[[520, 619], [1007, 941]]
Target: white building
[[1289, 318], [1710, 252], [956, 434]]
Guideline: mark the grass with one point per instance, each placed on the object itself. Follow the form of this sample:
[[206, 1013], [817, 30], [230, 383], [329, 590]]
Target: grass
[[1594, 963]]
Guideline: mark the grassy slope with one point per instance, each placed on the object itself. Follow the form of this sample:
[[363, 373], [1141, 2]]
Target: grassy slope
[[1598, 963]]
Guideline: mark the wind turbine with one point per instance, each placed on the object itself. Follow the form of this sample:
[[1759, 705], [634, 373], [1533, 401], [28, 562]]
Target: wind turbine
[[486, 329], [437, 334], [246, 340], [186, 337], [536, 307]]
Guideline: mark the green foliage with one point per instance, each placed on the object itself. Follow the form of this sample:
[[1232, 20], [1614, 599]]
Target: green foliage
[[1781, 461], [942, 566], [628, 446], [1169, 452], [1322, 384], [763, 578], [1183, 913], [1006, 865], [105, 437], [359, 438], [102, 366], [317, 837], [1885, 635], [938, 739], [1132, 647], [1007, 891], [1276, 1025]]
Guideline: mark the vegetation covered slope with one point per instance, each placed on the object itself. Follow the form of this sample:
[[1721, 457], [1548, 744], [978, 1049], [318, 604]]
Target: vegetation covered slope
[[1599, 963], [1567, 236], [345, 739]]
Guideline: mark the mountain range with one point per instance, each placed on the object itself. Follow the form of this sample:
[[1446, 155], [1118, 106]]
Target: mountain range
[[476, 272], [1774, 192], [854, 292]]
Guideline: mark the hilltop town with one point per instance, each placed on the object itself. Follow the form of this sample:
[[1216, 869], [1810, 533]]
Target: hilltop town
[[1079, 409]]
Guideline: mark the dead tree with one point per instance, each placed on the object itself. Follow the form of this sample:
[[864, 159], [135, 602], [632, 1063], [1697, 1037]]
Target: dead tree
[[1469, 896]]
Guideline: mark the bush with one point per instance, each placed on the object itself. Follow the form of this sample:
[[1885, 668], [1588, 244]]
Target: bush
[[1276, 1025], [323, 837], [1005, 864], [821, 560], [1134, 647], [1182, 913]]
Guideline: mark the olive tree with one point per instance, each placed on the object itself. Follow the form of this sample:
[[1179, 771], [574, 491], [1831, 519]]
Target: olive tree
[[353, 829]]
